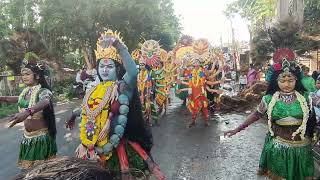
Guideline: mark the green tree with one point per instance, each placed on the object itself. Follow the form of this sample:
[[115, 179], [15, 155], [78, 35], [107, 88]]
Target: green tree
[[71, 27]]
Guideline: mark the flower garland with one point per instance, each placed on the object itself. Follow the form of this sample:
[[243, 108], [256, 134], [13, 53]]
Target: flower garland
[[93, 121], [305, 110], [34, 93], [91, 124]]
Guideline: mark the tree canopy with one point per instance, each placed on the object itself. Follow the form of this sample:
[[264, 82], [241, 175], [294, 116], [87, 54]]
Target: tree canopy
[[69, 29], [264, 40]]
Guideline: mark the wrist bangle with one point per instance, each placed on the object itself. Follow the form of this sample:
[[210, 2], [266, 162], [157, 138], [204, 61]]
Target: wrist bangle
[[31, 111]]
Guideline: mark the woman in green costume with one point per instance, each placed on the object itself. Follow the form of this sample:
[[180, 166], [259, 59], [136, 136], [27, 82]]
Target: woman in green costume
[[36, 111], [287, 150]]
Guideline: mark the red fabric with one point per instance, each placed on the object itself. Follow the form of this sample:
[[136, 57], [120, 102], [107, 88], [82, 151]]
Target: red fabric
[[198, 102], [153, 167], [123, 159], [139, 150], [115, 107], [282, 53]]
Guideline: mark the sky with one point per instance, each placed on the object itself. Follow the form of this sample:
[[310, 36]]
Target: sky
[[205, 19]]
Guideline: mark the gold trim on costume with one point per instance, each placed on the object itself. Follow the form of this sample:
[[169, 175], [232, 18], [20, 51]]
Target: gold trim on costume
[[289, 121], [36, 133], [285, 142]]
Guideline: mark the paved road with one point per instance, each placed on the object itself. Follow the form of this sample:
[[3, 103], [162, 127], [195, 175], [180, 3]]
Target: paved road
[[197, 153]]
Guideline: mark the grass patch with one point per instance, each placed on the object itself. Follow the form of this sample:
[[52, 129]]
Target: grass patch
[[8, 109]]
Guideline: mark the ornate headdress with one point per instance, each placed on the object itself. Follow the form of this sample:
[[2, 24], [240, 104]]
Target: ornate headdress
[[284, 60], [32, 61], [104, 49], [150, 51], [136, 55], [163, 55], [185, 40]]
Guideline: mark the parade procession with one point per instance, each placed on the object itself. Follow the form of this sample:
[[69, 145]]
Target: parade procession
[[160, 90]]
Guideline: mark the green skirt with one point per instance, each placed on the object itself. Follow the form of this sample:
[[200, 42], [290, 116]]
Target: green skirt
[[134, 159], [36, 148], [292, 162]]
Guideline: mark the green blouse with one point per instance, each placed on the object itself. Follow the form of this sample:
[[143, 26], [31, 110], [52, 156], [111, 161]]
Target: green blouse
[[42, 94], [281, 109]]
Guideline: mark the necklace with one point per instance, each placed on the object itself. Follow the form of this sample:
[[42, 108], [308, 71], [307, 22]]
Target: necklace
[[287, 97], [91, 114]]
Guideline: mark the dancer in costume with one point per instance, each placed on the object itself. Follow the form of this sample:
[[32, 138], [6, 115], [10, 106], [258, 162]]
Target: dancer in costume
[[170, 70], [152, 54], [197, 101], [145, 87], [36, 111], [112, 128], [287, 150], [215, 78], [184, 46]]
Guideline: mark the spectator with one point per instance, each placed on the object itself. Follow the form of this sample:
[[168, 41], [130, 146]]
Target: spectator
[[84, 75], [242, 81]]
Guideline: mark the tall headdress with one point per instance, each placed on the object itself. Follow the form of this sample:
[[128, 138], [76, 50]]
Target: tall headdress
[[104, 48], [136, 55], [284, 60], [150, 51], [32, 61]]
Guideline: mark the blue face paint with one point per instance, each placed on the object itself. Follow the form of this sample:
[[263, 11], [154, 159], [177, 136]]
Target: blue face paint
[[107, 70]]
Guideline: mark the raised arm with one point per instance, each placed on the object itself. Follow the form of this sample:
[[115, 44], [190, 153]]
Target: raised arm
[[130, 76], [9, 99]]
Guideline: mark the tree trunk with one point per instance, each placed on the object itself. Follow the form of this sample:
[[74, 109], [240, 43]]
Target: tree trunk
[[250, 43], [86, 56]]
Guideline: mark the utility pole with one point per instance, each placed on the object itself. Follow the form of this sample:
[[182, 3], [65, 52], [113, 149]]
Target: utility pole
[[233, 46]]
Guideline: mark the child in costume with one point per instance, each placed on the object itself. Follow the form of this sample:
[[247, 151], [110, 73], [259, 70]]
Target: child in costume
[[287, 150]]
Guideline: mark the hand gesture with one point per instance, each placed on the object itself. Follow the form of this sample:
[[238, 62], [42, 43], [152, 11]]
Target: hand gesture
[[107, 41], [18, 118], [104, 132]]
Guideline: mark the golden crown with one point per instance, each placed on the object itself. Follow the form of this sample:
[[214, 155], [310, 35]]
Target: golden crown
[[105, 50]]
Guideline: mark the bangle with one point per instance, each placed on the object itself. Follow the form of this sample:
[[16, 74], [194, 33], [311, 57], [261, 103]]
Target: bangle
[[31, 111]]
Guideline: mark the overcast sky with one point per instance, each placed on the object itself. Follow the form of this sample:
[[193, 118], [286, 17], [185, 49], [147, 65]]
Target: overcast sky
[[205, 19]]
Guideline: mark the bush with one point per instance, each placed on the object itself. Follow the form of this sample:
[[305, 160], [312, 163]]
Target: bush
[[63, 90], [8, 109]]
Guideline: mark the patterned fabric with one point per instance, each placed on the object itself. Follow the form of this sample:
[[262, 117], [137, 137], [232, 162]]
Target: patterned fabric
[[45, 94], [135, 161], [36, 149], [286, 161]]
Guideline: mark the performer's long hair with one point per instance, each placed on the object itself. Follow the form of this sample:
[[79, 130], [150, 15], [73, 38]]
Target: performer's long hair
[[48, 112], [273, 84], [136, 129], [273, 87]]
